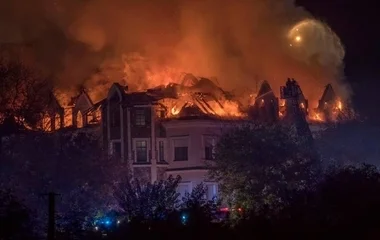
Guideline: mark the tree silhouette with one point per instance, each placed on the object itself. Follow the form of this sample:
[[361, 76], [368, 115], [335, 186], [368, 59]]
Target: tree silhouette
[[147, 202], [197, 209], [256, 166], [69, 163], [345, 203], [14, 218], [24, 92]]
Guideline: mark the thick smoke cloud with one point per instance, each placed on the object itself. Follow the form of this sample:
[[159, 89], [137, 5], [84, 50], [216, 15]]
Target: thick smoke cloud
[[143, 43]]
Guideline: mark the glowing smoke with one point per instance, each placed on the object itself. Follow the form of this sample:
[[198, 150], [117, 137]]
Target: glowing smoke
[[93, 42], [311, 38]]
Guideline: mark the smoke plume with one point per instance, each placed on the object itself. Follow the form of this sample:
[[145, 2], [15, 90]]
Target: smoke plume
[[144, 43]]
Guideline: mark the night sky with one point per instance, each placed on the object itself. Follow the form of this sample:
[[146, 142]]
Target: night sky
[[356, 23]]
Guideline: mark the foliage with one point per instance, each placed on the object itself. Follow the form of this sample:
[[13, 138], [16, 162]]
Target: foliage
[[24, 93], [256, 166], [14, 218], [68, 163], [345, 203], [197, 208], [147, 202]]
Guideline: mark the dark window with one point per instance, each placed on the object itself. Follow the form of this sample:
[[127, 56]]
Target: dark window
[[162, 113], [209, 153], [141, 152], [209, 148], [161, 151], [116, 149], [180, 154], [115, 117], [140, 118]]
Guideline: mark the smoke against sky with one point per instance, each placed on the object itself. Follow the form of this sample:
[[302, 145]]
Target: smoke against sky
[[144, 43]]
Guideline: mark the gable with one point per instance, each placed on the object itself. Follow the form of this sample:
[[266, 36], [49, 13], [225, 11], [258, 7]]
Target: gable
[[83, 103], [115, 92], [52, 105], [328, 94]]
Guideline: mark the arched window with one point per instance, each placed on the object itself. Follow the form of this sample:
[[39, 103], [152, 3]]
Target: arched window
[[79, 120], [46, 123], [57, 121]]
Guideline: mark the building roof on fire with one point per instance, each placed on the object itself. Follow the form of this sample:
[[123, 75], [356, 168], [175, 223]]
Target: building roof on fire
[[329, 94], [139, 98], [265, 88]]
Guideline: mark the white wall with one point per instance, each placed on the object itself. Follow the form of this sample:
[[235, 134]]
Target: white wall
[[195, 132]]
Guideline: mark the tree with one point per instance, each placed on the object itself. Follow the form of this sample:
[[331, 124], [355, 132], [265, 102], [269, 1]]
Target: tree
[[147, 202], [256, 166], [14, 218], [198, 210], [345, 203], [24, 93], [70, 163]]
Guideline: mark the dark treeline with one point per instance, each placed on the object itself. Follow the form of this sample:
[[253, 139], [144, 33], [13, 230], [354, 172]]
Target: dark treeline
[[344, 204], [273, 187]]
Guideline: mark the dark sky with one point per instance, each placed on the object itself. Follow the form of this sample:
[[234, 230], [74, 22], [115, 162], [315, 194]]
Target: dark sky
[[356, 23]]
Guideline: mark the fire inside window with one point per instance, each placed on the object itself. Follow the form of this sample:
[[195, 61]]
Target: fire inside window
[[57, 121], [141, 152], [161, 153], [79, 119], [140, 118]]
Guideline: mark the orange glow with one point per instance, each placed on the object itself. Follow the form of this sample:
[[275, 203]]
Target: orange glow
[[68, 117], [57, 121], [46, 123], [314, 116], [79, 120], [339, 105], [175, 110]]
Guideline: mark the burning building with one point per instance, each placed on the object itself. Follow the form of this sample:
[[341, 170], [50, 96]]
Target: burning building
[[172, 129]]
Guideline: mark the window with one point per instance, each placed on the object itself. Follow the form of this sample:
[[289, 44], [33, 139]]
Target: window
[[182, 189], [46, 122], [116, 149], [79, 120], [90, 117], [115, 117], [180, 154], [141, 152], [57, 122], [212, 191], [140, 117], [98, 115], [180, 149], [161, 151], [162, 114], [209, 147], [208, 153]]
